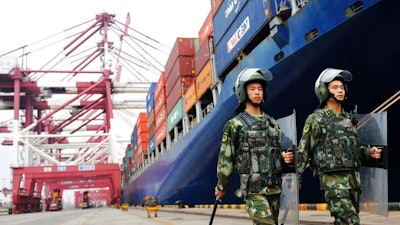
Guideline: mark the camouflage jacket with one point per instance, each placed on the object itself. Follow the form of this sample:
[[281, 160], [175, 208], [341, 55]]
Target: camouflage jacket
[[311, 139], [234, 130]]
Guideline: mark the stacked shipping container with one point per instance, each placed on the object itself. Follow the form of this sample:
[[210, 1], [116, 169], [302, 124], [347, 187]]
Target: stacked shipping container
[[142, 137], [151, 118], [160, 109], [186, 79], [179, 69]]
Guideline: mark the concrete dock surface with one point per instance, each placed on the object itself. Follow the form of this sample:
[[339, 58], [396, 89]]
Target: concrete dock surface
[[306, 216]]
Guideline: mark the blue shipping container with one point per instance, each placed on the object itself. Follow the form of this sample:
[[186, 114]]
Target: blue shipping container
[[149, 106], [152, 144], [150, 98], [243, 29], [134, 139], [225, 15], [254, 15]]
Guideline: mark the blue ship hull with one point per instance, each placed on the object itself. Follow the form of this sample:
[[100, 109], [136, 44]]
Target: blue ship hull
[[367, 44]]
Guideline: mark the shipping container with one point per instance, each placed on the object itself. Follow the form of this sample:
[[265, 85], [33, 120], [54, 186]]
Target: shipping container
[[134, 138], [178, 91], [143, 146], [202, 57], [183, 67], [151, 124], [138, 160], [160, 101], [215, 4], [142, 138], [161, 116], [141, 127], [226, 14], [128, 151], [182, 47], [175, 116], [150, 97], [142, 134], [161, 132], [203, 80], [152, 144], [206, 30], [160, 87], [246, 25], [190, 97]]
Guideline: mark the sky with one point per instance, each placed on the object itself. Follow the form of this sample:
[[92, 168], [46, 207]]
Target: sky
[[25, 22]]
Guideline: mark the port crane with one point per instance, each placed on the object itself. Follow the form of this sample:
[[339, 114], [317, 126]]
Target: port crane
[[63, 124]]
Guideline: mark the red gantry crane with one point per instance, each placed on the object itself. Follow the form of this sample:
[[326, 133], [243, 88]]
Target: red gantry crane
[[64, 129]]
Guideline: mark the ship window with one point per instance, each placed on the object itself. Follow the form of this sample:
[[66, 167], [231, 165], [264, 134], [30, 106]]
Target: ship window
[[353, 9], [311, 35], [279, 56]]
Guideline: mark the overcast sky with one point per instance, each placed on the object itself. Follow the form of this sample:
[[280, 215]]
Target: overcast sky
[[25, 22]]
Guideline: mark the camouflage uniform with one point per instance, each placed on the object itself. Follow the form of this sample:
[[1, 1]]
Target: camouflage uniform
[[256, 156], [330, 146]]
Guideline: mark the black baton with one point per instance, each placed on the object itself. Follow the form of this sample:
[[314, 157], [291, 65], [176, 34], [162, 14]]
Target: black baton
[[213, 213]]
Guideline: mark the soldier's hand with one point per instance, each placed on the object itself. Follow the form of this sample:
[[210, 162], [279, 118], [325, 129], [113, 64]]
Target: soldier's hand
[[375, 152], [288, 157], [218, 194], [299, 186]]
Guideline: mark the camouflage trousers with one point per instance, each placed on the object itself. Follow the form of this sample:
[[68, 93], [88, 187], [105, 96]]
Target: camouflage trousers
[[344, 205], [263, 209]]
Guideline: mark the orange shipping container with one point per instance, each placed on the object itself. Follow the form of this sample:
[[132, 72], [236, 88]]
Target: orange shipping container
[[190, 97], [141, 127], [142, 147], [161, 133], [141, 123], [143, 137], [203, 80], [142, 116]]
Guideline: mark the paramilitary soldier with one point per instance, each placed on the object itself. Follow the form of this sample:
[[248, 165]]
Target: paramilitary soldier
[[251, 145], [330, 145]]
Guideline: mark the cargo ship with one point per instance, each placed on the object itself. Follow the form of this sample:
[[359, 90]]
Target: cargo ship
[[175, 143]]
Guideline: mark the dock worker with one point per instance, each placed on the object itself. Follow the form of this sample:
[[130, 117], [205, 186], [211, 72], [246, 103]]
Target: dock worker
[[251, 144], [331, 147]]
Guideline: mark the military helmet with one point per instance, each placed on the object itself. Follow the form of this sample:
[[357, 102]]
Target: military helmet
[[251, 74], [328, 75]]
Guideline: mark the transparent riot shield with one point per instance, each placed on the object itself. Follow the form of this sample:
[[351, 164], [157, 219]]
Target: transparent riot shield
[[288, 212], [372, 130]]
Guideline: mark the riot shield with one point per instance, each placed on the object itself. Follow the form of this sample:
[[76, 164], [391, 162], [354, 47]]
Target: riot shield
[[372, 130], [288, 211]]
